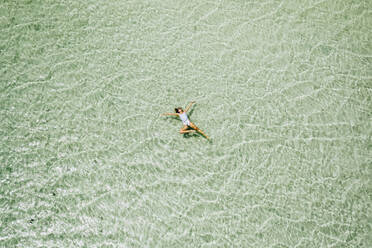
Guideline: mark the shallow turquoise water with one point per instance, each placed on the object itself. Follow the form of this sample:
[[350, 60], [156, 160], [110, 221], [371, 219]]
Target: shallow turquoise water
[[282, 87]]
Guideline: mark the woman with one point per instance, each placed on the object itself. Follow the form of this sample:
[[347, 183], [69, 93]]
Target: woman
[[186, 122]]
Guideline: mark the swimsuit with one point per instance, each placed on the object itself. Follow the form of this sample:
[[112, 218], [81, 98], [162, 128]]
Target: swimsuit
[[185, 119]]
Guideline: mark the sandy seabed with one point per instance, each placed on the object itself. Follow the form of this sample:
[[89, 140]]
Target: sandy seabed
[[282, 87]]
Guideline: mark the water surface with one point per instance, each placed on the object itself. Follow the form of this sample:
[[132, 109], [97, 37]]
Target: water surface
[[282, 87]]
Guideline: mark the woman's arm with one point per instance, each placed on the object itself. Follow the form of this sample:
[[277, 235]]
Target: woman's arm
[[189, 106], [169, 114]]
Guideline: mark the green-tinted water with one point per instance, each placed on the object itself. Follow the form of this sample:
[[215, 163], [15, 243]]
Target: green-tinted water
[[282, 87]]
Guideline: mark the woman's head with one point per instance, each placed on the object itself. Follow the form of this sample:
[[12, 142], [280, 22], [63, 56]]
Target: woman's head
[[178, 110]]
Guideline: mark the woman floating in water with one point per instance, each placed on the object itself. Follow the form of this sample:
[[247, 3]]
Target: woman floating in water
[[186, 122]]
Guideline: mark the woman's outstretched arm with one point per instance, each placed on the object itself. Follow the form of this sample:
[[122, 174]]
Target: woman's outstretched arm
[[169, 114], [189, 106]]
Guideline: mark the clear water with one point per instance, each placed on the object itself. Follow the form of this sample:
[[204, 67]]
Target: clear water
[[283, 88]]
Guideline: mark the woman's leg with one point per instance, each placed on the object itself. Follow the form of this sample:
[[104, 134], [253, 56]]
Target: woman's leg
[[192, 125], [184, 130]]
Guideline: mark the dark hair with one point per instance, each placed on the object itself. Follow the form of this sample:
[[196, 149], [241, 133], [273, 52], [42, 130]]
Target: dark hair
[[178, 109]]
